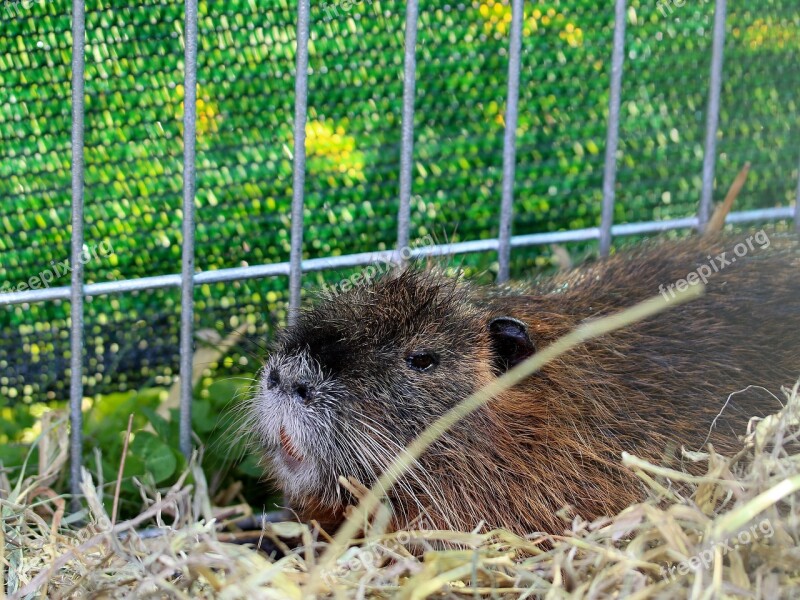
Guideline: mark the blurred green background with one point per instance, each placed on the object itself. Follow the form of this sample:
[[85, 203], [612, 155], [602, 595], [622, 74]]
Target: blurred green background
[[134, 74]]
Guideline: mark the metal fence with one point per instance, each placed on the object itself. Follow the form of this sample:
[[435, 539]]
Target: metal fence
[[295, 267]]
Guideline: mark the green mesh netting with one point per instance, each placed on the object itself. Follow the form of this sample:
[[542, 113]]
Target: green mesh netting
[[245, 108]]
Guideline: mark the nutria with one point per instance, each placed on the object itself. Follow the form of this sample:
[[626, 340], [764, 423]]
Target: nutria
[[364, 372]]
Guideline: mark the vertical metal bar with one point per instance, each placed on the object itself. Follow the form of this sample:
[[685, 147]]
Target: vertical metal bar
[[612, 135], [712, 119], [510, 141], [797, 205], [407, 133], [76, 289], [187, 258], [299, 166]]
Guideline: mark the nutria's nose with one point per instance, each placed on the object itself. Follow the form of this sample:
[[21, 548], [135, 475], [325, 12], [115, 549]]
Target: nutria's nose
[[296, 387], [298, 390], [302, 391]]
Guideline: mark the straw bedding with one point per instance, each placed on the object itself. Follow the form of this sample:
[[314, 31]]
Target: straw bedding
[[733, 532]]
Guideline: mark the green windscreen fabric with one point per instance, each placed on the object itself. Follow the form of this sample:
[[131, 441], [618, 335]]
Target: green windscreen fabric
[[134, 75]]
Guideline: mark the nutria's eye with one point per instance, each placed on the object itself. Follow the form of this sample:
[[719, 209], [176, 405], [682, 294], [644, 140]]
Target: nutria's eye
[[422, 361]]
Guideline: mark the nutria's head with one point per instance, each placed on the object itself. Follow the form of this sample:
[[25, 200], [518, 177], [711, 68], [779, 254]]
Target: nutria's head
[[364, 372]]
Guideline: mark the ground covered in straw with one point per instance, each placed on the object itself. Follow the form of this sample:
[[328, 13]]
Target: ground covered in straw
[[734, 532]]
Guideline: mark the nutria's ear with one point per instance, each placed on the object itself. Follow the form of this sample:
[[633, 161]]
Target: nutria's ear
[[510, 342]]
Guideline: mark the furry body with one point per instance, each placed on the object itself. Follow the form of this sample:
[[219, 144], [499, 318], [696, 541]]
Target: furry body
[[364, 372]]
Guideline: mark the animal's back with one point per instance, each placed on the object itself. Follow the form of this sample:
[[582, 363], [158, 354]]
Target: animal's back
[[692, 375], [745, 330]]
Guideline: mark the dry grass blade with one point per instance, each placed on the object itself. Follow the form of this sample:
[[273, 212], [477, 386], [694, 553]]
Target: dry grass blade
[[717, 220], [121, 470]]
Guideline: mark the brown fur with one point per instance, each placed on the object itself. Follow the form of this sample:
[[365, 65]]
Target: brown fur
[[555, 439]]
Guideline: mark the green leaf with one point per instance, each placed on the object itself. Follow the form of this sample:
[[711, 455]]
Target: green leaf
[[251, 466], [203, 417], [159, 423], [134, 467], [12, 455], [223, 393], [157, 457]]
